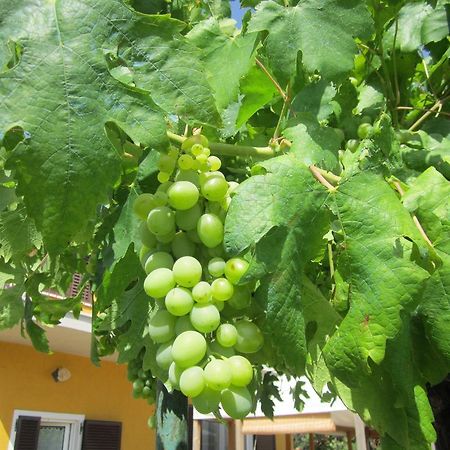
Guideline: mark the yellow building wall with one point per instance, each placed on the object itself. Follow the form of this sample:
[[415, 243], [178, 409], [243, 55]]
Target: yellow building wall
[[100, 393]]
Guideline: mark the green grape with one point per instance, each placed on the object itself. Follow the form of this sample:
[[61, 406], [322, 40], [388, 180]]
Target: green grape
[[147, 237], [141, 374], [216, 267], [365, 130], [206, 151], [241, 298], [188, 175], [205, 317], [161, 220], [217, 374], [174, 375], [241, 370], [185, 162], [144, 253], [207, 402], [161, 327], [182, 245], [222, 289], [138, 385], [202, 292], [214, 189], [183, 195], [210, 230], [166, 163], [166, 238], [158, 260], [214, 162], [193, 236], [187, 220], [173, 152], [160, 198], [352, 145], [250, 338], [235, 268], [151, 422], [232, 186], [226, 335], [219, 305], [159, 282], [237, 402], [225, 204], [163, 187], [192, 381], [187, 271], [179, 301], [214, 348], [163, 177], [183, 324], [164, 355], [188, 348], [202, 159], [143, 204], [197, 149], [147, 392], [195, 139]]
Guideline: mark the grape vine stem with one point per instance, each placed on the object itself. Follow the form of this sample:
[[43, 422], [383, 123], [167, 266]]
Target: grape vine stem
[[231, 149], [272, 79], [414, 217], [321, 179]]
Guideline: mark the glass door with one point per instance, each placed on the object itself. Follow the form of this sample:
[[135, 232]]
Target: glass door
[[54, 436]]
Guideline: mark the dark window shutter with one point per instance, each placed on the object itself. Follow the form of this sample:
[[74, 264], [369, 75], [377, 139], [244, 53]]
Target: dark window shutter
[[101, 435], [27, 433]]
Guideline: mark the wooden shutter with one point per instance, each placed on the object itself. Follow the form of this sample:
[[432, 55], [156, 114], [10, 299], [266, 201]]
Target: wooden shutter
[[101, 435], [27, 433]]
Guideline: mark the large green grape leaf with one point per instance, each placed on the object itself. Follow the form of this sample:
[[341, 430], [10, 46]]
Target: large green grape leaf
[[61, 94], [227, 58], [280, 217], [322, 30], [429, 199], [375, 259], [11, 306]]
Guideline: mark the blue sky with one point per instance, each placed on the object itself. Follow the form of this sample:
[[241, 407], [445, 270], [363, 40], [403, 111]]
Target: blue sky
[[237, 12]]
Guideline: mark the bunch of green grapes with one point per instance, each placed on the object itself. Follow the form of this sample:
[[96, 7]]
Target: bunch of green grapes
[[144, 384], [202, 348]]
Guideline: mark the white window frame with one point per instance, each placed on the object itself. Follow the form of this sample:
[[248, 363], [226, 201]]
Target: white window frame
[[74, 422]]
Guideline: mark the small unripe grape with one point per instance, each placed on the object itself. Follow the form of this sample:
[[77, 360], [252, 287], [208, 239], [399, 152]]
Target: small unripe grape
[[166, 163], [183, 195], [216, 267], [163, 187], [210, 230], [217, 374], [197, 149], [174, 375], [179, 301], [143, 204], [250, 338], [214, 162], [161, 220], [166, 238], [235, 268], [202, 159], [226, 335], [187, 271], [161, 327], [192, 381], [202, 292], [237, 402], [138, 385], [164, 355], [188, 175], [147, 237], [144, 253], [193, 236], [352, 145], [241, 370], [205, 317], [207, 402], [159, 282], [187, 220], [158, 260], [222, 289], [163, 177], [214, 189], [182, 245], [160, 198], [365, 130], [185, 162], [195, 139], [188, 348]]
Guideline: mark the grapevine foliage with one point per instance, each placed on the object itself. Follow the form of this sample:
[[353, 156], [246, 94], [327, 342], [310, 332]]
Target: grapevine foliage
[[332, 115]]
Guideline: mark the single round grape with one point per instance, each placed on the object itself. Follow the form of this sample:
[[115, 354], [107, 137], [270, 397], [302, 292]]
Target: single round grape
[[161, 327], [214, 348], [174, 375], [187, 271], [192, 381], [162, 177], [188, 175], [217, 374], [352, 145], [222, 289], [158, 260], [214, 162], [166, 238], [138, 385], [235, 268], [182, 245], [187, 220], [202, 159], [214, 189], [183, 195], [183, 324], [161, 220], [207, 402], [250, 338], [194, 139], [144, 253], [205, 317], [241, 298], [166, 163], [197, 149], [188, 348], [185, 162], [159, 282], [201, 292], [216, 267], [179, 301], [241, 370], [143, 204], [237, 402], [204, 177], [210, 230], [365, 130], [193, 236], [163, 187], [147, 392], [160, 198], [226, 335], [225, 204], [164, 355], [147, 237]]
